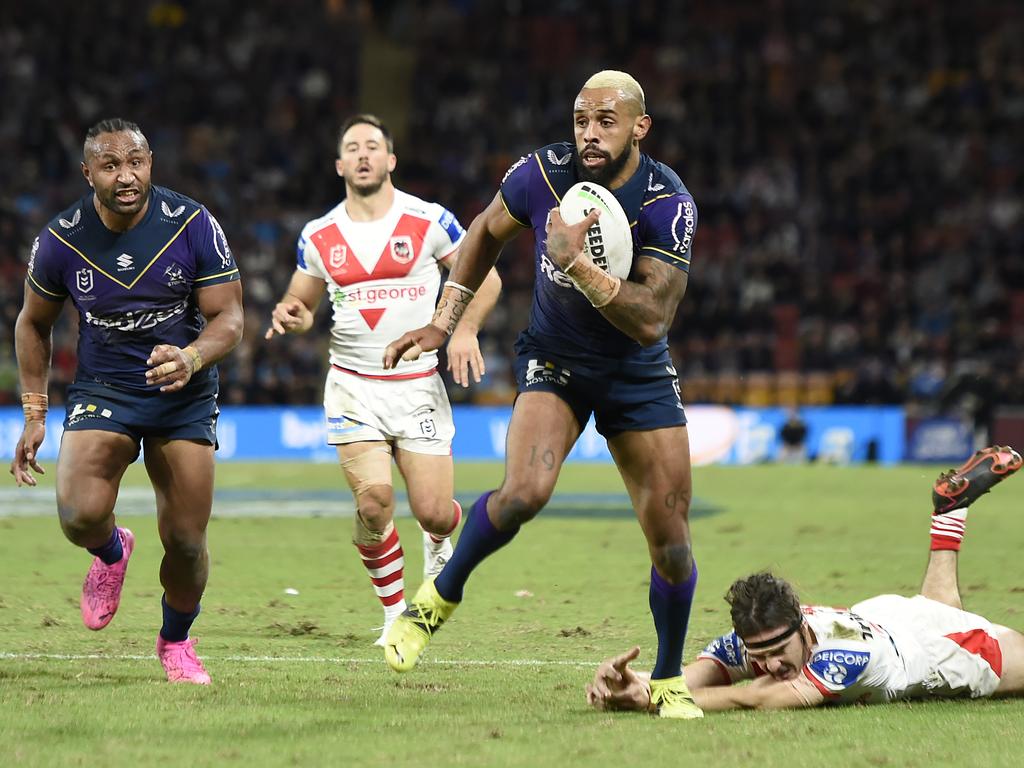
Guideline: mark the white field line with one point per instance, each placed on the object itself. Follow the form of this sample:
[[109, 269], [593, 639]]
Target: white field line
[[15, 656]]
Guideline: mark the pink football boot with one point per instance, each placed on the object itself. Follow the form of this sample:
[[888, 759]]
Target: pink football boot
[[180, 661], [101, 592]]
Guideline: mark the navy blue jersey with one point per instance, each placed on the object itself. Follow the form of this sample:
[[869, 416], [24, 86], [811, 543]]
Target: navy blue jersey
[[135, 289], [663, 218]]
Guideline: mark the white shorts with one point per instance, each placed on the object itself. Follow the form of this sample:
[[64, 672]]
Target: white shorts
[[412, 414], [960, 649]]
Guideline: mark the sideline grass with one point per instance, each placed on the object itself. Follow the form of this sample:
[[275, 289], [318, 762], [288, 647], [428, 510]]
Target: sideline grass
[[297, 681]]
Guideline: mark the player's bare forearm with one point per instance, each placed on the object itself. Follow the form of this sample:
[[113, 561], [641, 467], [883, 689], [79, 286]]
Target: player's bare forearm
[[763, 693], [221, 305], [483, 302], [644, 307], [33, 340]]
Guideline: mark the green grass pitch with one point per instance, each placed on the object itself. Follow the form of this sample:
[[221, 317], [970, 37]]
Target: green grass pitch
[[298, 682]]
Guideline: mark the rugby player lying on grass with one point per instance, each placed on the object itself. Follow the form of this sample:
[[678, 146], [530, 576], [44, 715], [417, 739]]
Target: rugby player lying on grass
[[883, 649]]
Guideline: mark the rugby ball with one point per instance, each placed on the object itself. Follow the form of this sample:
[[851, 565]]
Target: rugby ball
[[609, 242]]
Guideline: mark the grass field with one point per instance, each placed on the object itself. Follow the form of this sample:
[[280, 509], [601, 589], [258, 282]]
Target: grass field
[[297, 681]]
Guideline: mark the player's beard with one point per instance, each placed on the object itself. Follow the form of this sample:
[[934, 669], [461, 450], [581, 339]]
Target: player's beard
[[608, 171], [108, 199], [370, 187]]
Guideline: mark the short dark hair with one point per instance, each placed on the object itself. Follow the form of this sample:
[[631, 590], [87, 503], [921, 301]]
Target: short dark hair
[[761, 602], [111, 125], [365, 118]]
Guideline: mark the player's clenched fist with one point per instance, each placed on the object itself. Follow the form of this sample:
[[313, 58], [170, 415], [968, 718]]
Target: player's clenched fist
[[289, 317], [172, 366]]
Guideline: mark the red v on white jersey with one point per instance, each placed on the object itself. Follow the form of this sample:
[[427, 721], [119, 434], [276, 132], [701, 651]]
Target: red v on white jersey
[[396, 260]]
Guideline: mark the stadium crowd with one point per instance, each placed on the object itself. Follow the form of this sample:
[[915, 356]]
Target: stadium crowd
[[857, 167]]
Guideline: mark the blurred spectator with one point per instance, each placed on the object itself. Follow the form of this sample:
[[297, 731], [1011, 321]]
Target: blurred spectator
[[793, 439]]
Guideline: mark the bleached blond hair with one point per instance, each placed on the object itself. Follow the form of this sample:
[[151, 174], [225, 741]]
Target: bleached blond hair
[[621, 81]]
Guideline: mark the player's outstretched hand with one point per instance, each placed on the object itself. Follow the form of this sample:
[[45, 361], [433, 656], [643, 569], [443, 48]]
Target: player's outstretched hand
[[464, 356], [413, 344], [616, 686], [172, 367], [565, 241], [289, 317], [25, 454]]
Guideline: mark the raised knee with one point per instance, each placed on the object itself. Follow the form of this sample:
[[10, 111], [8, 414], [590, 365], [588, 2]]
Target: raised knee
[[673, 561], [520, 505], [76, 521]]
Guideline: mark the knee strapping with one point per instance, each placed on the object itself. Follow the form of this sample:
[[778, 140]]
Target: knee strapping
[[367, 469], [364, 537]]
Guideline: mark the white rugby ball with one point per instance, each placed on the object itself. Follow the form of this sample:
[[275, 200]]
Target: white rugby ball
[[609, 242]]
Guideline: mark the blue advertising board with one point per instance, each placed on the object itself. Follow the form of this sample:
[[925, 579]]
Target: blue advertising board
[[718, 434]]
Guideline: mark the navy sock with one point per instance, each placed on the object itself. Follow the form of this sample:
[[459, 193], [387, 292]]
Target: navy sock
[[112, 551], [670, 605], [479, 539], [176, 624]]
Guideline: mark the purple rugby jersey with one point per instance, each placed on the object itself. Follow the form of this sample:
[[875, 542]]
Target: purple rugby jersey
[[133, 290], [663, 218]]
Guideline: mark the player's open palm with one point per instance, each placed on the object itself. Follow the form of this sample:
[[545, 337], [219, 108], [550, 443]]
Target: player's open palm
[[172, 367], [464, 357], [25, 454], [413, 344]]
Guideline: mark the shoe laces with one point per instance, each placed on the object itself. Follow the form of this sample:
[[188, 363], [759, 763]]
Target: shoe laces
[[669, 696]]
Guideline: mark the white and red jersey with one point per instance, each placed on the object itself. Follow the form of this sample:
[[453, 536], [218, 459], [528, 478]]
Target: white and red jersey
[[382, 278], [884, 649]]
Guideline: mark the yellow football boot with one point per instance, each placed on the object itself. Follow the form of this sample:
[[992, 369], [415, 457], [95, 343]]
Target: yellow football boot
[[409, 635], [672, 698]]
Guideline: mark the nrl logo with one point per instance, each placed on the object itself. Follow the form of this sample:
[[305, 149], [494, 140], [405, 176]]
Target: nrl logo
[[168, 212], [74, 220], [401, 249], [83, 280], [556, 160], [337, 256]]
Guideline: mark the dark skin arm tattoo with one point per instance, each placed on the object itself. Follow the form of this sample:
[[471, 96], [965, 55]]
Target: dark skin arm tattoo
[[646, 303]]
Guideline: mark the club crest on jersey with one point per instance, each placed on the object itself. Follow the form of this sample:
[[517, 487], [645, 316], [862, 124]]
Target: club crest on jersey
[[401, 249], [74, 220], [337, 256], [174, 275], [83, 280]]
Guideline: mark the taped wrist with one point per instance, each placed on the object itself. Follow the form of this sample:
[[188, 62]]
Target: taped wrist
[[593, 282], [195, 356], [35, 405], [454, 300]]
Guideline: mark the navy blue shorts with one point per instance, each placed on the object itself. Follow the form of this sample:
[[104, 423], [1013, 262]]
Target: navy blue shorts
[[623, 398], [189, 414]]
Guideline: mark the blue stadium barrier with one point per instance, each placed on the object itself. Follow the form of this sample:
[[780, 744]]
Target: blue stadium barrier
[[718, 434]]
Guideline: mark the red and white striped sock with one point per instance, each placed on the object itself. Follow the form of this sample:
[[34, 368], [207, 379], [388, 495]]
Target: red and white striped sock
[[385, 562], [948, 529], [437, 539]]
